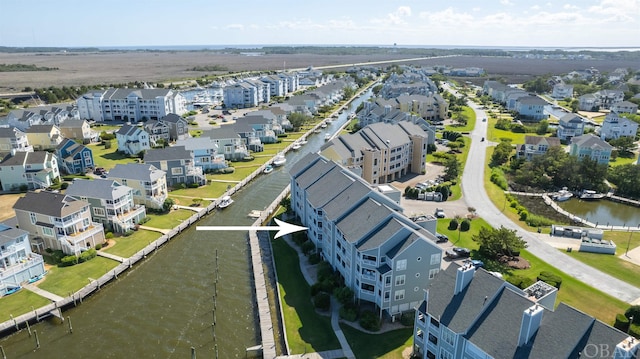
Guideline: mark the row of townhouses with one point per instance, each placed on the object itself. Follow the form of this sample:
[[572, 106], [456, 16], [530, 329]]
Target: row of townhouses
[[386, 258], [469, 313], [528, 106], [584, 146]]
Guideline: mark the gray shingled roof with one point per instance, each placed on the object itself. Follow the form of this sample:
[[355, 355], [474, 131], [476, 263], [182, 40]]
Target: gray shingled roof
[[345, 200], [49, 203], [40, 129], [305, 161], [21, 158], [9, 234], [97, 188], [590, 140], [382, 233], [314, 173], [167, 154], [362, 219], [136, 171], [330, 187], [221, 133]]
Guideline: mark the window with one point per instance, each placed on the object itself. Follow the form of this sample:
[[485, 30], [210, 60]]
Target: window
[[387, 281], [400, 280], [445, 354], [387, 296], [398, 295], [435, 258], [98, 212], [434, 322], [447, 336], [33, 217], [433, 339], [176, 171], [433, 272], [47, 231], [401, 264]]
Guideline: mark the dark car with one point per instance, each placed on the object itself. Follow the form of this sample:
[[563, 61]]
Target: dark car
[[476, 263], [226, 112], [98, 171], [441, 238], [462, 252]]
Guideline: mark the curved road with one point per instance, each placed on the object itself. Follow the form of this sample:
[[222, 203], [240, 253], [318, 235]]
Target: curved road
[[475, 195]]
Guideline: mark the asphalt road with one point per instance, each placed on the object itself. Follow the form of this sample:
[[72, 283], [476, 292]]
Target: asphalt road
[[475, 196]]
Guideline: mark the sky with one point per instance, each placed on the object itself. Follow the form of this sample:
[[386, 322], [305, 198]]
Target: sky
[[475, 23]]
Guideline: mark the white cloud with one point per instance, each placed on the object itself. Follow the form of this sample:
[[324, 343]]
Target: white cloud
[[617, 10], [235, 27], [535, 7], [570, 7], [506, 2], [395, 18]]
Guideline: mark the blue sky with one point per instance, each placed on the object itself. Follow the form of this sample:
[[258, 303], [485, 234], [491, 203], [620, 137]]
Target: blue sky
[[575, 23]]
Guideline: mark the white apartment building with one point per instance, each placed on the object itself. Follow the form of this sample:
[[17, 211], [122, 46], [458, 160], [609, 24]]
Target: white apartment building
[[130, 105]]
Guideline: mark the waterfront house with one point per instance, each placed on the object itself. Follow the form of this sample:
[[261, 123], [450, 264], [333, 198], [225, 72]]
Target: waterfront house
[[569, 126], [205, 153], [384, 257], [625, 107], [178, 127], [306, 104], [608, 98], [130, 105], [58, 221], [149, 184], [111, 203], [17, 262], [614, 127], [535, 146], [29, 170], [591, 146], [178, 163], [44, 137], [41, 115], [263, 126], [132, 140], [74, 157], [588, 102], [383, 152], [230, 144], [157, 130], [469, 313], [13, 140], [531, 108], [249, 136], [79, 130], [562, 91]]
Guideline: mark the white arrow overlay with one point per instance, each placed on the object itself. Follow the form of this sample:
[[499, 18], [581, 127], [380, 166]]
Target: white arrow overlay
[[282, 228]]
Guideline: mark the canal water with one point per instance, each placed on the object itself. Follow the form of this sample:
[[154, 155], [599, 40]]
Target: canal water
[[164, 306], [603, 212]]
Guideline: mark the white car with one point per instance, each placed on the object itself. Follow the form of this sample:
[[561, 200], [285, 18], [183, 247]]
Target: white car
[[440, 213]]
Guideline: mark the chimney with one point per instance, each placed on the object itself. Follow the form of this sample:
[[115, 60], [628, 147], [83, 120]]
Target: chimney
[[464, 275], [387, 109], [531, 319]]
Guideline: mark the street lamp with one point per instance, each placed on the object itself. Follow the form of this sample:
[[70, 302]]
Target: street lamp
[[630, 322]]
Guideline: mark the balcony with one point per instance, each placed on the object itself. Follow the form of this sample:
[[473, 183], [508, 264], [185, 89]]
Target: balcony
[[33, 259], [79, 236], [131, 213]]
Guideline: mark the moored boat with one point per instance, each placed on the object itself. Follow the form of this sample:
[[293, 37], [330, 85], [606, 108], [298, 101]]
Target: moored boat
[[296, 146], [226, 202], [327, 137], [279, 160], [268, 169], [562, 195], [589, 195]]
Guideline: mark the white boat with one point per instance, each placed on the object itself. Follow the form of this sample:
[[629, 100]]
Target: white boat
[[324, 125], [268, 169], [562, 195], [588, 194], [226, 202], [327, 120], [352, 115], [296, 146], [279, 160], [327, 137], [302, 141]]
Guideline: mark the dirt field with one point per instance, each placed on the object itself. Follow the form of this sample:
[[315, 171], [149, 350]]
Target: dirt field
[[6, 205], [120, 67]]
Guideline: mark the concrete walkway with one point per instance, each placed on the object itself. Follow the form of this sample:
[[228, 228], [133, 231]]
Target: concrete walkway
[[163, 231], [195, 209], [346, 351], [42, 292]]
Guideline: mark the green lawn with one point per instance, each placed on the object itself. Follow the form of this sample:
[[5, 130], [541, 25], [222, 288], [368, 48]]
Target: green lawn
[[470, 114], [306, 330], [388, 345], [623, 160], [213, 190], [20, 303], [127, 246], [65, 280], [168, 220], [108, 158]]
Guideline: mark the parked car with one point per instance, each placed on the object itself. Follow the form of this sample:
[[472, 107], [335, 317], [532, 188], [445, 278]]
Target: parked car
[[441, 238], [462, 252], [98, 171], [476, 263], [440, 213]]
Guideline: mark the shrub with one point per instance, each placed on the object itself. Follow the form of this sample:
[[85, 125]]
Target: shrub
[[128, 232], [499, 179], [465, 225], [407, 319], [87, 255], [369, 321], [453, 224], [144, 220], [523, 215], [634, 330], [324, 271], [621, 322], [64, 185], [68, 261], [550, 278], [308, 247], [109, 235], [633, 311], [344, 295], [98, 246], [315, 258], [535, 220], [521, 282], [349, 313], [322, 301], [193, 185]]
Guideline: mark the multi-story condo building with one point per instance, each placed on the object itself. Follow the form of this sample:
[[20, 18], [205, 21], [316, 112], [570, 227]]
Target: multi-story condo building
[[111, 203], [13, 140], [31, 170], [382, 151], [58, 221], [178, 163], [291, 81], [277, 85], [469, 313], [382, 255], [241, 95], [17, 262], [130, 105], [149, 184]]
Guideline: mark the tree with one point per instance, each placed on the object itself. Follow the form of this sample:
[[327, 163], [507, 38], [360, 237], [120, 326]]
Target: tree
[[502, 241], [168, 204], [501, 153], [451, 168], [543, 127], [624, 144], [627, 179], [297, 120]]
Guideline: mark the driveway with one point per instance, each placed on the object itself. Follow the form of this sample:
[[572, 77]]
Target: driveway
[[475, 195]]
